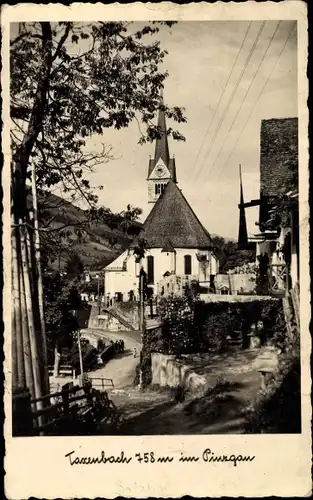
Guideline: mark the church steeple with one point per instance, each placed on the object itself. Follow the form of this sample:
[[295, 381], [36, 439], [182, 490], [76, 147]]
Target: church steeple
[[243, 233], [161, 168], [161, 145]]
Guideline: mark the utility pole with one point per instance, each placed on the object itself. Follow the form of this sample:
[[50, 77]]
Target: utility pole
[[80, 356], [142, 301], [99, 301], [142, 317]]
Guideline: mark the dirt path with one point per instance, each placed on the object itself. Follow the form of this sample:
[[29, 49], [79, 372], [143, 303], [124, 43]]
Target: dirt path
[[221, 410], [122, 368]]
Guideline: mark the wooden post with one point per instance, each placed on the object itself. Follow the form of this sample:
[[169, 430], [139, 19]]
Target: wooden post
[[30, 316], [80, 355], [22, 419], [142, 303], [99, 302], [39, 282], [18, 366]]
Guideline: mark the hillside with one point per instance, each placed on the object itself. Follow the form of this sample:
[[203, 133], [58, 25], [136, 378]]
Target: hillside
[[100, 243]]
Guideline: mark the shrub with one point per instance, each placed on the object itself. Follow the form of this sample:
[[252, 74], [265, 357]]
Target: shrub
[[177, 315], [190, 325]]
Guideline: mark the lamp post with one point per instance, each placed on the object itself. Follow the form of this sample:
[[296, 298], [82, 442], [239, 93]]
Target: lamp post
[[99, 301], [79, 350]]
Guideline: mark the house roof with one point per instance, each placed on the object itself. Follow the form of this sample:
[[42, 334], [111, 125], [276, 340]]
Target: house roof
[[278, 161], [172, 221], [279, 154]]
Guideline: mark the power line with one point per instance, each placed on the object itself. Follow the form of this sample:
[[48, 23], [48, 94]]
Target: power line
[[258, 98], [222, 95], [232, 96], [245, 95]]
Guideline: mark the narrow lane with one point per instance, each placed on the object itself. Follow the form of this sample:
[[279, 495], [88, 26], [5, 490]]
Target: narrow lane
[[122, 368]]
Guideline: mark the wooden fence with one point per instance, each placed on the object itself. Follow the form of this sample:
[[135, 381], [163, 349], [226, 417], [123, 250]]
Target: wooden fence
[[63, 370], [102, 382], [72, 411]]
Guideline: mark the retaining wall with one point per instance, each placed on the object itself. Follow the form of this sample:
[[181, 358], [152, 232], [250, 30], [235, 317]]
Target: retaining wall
[[168, 372]]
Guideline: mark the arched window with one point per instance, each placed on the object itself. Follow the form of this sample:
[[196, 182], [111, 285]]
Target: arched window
[[150, 270], [187, 261]]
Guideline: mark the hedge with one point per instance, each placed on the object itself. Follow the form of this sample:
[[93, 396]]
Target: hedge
[[192, 326]]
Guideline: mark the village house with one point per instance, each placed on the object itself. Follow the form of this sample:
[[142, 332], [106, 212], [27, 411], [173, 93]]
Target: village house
[[278, 239], [179, 248]]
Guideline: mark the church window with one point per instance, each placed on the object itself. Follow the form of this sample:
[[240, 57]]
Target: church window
[[150, 266], [187, 262]]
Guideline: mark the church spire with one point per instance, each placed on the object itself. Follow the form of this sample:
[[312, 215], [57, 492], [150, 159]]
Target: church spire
[[161, 168], [243, 233], [161, 146]]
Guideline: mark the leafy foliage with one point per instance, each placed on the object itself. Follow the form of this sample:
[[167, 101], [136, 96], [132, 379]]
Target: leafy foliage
[[71, 81], [74, 266], [190, 326], [61, 298], [229, 255], [179, 331]]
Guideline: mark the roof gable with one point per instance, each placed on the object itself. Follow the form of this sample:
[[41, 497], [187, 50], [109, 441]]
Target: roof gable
[[172, 221], [154, 175], [171, 166]]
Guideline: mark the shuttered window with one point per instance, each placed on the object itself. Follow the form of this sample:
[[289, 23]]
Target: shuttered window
[[150, 273], [187, 259]]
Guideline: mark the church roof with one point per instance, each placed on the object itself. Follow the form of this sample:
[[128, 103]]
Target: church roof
[[172, 221]]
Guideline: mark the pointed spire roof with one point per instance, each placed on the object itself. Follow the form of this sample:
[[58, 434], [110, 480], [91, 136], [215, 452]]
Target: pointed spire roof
[[243, 233], [173, 222], [161, 146]]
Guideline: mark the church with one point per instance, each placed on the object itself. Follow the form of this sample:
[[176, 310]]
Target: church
[[179, 248]]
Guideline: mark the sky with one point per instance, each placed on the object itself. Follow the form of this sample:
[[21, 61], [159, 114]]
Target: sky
[[200, 60], [223, 123]]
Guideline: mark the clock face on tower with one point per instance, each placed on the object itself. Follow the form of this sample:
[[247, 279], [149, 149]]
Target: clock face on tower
[[160, 171]]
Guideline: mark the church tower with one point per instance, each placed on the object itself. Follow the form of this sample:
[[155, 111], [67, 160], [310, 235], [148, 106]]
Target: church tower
[[161, 168]]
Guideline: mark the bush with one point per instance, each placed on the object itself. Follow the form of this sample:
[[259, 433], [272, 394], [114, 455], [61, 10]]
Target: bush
[[179, 330], [192, 326]]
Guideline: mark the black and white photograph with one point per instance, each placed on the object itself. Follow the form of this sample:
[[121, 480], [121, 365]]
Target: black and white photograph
[[155, 228]]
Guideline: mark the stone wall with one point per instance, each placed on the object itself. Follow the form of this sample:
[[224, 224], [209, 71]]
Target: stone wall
[[168, 372], [211, 297]]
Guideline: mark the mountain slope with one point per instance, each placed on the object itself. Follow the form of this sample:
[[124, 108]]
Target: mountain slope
[[99, 243]]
